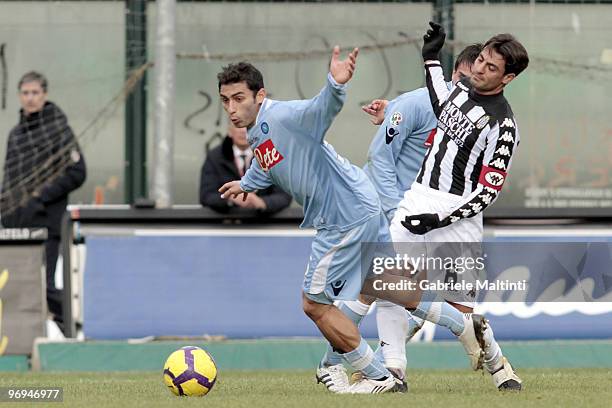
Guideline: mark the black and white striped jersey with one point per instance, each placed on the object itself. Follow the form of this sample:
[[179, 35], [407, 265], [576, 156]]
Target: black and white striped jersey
[[473, 146]]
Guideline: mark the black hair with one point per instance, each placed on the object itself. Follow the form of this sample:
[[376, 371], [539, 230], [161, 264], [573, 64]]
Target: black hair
[[468, 55], [241, 72], [513, 52]]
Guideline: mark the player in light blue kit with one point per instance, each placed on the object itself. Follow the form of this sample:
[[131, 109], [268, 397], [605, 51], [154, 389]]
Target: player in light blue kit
[[339, 202], [408, 124], [338, 199]]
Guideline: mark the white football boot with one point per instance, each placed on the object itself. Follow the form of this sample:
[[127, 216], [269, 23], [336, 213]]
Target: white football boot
[[472, 338], [505, 379], [402, 384], [370, 386], [334, 378]]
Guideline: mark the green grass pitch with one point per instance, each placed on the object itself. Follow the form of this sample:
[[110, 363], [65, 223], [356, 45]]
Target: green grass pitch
[[254, 389]]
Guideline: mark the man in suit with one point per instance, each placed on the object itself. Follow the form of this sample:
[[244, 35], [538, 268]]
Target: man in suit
[[229, 161]]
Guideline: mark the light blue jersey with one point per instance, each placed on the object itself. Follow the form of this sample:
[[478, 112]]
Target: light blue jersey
[[287, 141], [339, 200], [399, 146]]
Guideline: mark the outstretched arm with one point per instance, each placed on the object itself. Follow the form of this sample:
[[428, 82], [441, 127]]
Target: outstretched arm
[[433, 42], [315, 115]]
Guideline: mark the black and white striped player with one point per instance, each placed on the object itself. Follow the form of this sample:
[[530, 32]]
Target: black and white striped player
[[464, 171]]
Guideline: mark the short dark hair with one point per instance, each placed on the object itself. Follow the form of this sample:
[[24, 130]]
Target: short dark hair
[[33, 76], [241, 72], [515, 55], [468, 55]]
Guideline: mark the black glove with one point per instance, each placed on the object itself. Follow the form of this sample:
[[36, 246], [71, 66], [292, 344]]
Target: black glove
[[433, 42], [422, 223]]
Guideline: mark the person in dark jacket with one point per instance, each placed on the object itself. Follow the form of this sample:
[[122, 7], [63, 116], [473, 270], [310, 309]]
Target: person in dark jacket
[[229, 161], [43, 164]]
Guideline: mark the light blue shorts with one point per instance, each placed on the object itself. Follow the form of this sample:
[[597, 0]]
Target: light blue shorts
[[337, 267]]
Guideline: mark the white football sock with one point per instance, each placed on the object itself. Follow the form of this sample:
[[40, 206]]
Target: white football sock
[[357, 307], [392, 322], [493, 360]]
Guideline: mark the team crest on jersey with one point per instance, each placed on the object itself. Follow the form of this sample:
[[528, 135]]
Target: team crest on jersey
[[265, 128], [482, 122], [396, 118], [267, 156], [492, 178]]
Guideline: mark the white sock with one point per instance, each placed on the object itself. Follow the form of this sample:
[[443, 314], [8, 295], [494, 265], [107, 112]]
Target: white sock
[[493, 354], [393, 327], [357, 307]]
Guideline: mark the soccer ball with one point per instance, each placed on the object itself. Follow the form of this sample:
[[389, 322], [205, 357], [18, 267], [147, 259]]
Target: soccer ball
[[190, 371]]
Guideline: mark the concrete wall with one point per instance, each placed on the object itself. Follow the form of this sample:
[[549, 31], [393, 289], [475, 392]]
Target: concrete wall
[[561, 110], [79, 46]]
